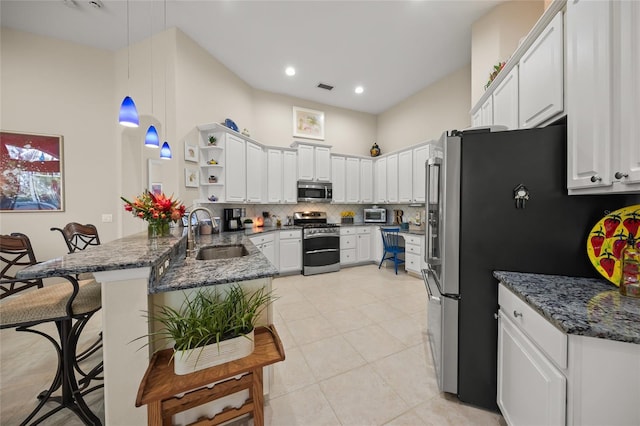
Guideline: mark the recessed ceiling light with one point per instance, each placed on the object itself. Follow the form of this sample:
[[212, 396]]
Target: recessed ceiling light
[[290, 71], [359, 89]]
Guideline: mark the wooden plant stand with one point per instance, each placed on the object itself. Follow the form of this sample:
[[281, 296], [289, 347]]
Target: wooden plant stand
[[160, 385]]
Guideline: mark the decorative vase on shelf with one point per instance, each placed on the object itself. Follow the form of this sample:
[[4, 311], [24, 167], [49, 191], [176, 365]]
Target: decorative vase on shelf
[[375, 150]]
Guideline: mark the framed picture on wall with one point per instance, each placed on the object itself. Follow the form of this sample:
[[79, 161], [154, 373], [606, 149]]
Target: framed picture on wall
[[156, 188], [190, 152], [31, 172], [308, 123], [191, 177]]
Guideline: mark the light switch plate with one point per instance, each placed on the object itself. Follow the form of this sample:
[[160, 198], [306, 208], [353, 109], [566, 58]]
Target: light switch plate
[[107, 217]]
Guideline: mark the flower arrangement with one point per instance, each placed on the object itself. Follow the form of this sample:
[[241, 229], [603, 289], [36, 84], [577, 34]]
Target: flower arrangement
[[347, 216], [157, 209], [496, 69]]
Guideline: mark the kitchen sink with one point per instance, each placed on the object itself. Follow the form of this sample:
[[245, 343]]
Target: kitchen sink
[[221, 252]]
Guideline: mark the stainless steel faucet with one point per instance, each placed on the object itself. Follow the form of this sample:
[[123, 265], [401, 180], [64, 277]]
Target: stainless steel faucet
[[190, 232]]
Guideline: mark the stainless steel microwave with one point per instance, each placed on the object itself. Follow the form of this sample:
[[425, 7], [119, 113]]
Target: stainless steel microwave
[[375, 215], [314, 192]]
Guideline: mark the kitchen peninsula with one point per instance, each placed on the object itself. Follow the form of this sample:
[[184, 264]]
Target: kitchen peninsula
[[138, 274]]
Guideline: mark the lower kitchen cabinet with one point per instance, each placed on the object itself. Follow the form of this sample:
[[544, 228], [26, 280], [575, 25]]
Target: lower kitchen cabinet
[[414, 247], [363, 244], [548, 377], [290, 251], [266, 244], [355, 244]]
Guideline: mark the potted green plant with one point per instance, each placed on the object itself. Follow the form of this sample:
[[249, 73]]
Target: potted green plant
[[211, 327]]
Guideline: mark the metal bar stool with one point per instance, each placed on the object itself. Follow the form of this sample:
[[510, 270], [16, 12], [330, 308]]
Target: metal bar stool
[[15, 253]]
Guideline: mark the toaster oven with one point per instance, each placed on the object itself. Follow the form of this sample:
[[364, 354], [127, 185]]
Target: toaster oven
[[375, 215]]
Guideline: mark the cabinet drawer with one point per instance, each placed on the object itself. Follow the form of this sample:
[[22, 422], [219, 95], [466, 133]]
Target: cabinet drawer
[[546, 336], [412, 248], [348, 242], [412, 239], [363, 230], [262, 238], [288, 235], [348, 230], [412, 262], [348, 256]]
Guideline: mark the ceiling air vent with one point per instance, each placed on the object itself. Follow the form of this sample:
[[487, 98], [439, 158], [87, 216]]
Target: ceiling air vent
[[325, 86]]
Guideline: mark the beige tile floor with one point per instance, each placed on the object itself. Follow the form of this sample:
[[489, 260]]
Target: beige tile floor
[[356, 354]]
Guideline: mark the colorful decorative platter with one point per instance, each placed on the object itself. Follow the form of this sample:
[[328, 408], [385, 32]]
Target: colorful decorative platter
[[609, 237]]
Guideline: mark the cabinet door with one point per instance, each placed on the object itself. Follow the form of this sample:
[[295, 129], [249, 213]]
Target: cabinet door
[[486, 112], [392, 178], [290, 255], [366, 181], [405, 177], [338, 183], [352, 169], [381, 180], [289, 181], [589, 60], [274, 176], [363, 249], [476, 118], [269, 251], [306, 162], [255, 160], [629, 152], [323, 164], [235, 169], [505, 101], [420, 156], [531, 390], [541, 76]]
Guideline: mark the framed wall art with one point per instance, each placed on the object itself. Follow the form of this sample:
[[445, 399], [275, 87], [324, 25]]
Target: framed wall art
[[190, 152], [191, 177], [31, 172], [308, 123]]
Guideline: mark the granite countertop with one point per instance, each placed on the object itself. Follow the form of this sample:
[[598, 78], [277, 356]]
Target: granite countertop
[[137, 251], [584, 306]]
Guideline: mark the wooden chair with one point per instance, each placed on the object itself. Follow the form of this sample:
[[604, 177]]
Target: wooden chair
[[69, 305], [15, 253], [392, 247]]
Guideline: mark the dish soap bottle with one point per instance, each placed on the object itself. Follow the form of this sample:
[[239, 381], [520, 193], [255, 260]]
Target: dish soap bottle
[[630, 277]]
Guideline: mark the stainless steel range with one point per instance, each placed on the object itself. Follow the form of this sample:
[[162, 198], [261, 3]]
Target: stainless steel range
[[320, 243]]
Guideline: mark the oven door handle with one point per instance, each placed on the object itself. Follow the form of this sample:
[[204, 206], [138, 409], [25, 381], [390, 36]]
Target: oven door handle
[[320, 251], [322, 235]]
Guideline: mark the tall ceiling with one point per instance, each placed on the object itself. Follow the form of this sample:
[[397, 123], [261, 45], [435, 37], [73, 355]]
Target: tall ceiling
[[393, 49]]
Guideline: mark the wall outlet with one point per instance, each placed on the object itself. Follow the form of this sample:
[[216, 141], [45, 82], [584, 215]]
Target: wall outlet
[[107, 217]]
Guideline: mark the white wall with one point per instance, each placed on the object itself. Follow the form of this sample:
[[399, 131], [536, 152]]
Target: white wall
[[425, 115], [495, 36], [55, 87]]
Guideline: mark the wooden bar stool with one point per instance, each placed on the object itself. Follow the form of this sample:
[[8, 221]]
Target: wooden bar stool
[[160, 385]]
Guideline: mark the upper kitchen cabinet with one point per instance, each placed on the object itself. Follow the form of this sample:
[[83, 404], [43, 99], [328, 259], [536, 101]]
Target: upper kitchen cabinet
[[486, 112], [289, 174], [366, 180], [281, 176], [505, 101], [380, 174], [420, 155], [255, 173], [352, 187], [339, 182], [603, 92], [314, 162], [405, 177], [392, 178], [236, 176], [541, 76]]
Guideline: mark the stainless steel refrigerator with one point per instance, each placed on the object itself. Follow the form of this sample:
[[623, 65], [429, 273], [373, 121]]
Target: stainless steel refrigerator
[[496, 201]]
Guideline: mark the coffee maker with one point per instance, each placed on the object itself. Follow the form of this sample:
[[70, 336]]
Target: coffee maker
[[233, 220]]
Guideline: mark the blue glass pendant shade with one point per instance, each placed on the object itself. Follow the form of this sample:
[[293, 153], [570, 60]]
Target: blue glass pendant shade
[[129, 113], [165, 151], [152, 140]]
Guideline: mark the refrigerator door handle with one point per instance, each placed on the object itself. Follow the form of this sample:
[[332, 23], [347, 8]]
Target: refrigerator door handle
[[432, 298], [435, 279]]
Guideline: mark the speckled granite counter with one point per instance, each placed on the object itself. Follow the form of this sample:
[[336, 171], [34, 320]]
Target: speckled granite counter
[[583, 306], [136, 251]]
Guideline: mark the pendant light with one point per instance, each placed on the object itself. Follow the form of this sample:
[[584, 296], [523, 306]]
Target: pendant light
[[165, 151], [128, 116], [151, 139]]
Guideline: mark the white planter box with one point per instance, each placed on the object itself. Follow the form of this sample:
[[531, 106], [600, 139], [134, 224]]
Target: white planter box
[[185, 362]]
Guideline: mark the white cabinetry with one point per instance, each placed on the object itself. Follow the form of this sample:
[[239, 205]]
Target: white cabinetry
[[486, 112], [505, 101], [363, 244], [266, 244], [314, 162], [338, 183], [355, 244], [366, 181], [254, 173], [541, 76], [212, 176], [236, 174], [476, 118], [392, 178], [414, 247], [274, 176], [381, 180], [420, 155], [290, 253], [352, 185], [603, 92], [289, 173], [405, 177]]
